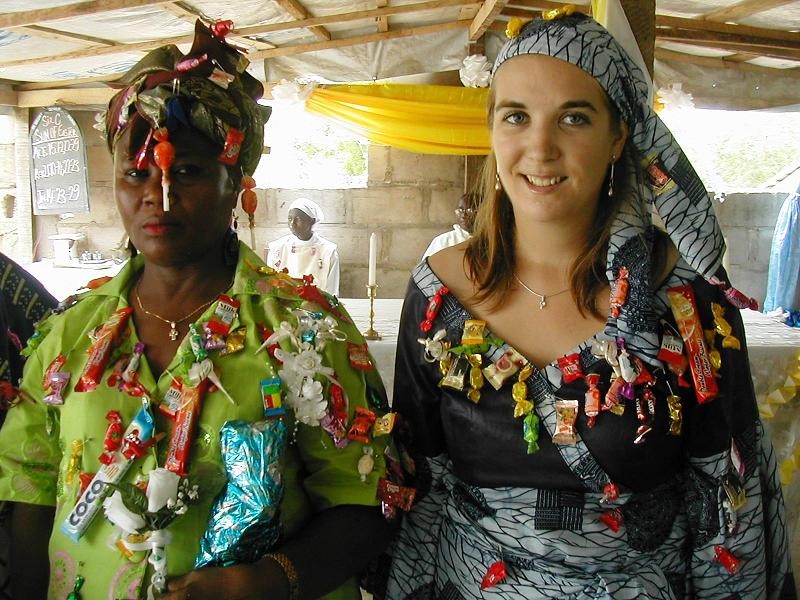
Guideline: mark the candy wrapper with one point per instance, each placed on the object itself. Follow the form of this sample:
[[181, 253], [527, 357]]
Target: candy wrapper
[[684, 308], [243, 526], [106, 338]]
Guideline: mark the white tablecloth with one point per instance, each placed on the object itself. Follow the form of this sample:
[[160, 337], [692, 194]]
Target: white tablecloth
[[386, 323]]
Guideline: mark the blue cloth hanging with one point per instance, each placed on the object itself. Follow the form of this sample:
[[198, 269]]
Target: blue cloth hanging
[[784, 258]]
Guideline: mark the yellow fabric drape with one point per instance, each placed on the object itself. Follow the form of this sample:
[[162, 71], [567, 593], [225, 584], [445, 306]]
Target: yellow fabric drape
[[429, 119]]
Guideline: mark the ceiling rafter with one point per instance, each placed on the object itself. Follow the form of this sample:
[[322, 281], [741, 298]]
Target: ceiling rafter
[[298, 11], [723, 63], [190, 15], [79, 9], [663, 21], [359, 39], [360, 15], [485, 17], [733, 43], [744, 9], [62, 36], [382, 22]]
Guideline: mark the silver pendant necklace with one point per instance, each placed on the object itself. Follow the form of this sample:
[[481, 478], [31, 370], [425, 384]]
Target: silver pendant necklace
[[542, 297]]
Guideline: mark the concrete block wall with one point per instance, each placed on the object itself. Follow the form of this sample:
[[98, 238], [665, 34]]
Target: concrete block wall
[[748, 220], [409, 199]]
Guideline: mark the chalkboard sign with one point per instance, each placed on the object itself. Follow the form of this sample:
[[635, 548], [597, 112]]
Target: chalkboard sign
[[59, 183]]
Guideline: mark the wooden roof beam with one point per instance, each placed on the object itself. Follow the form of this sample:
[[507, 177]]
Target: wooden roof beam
[[298, 11], [359, 39], [62, 36], [778, 54], [359, 15], [723, 63], [189, 15], [485, 17], [382, 22], [663, 22], [79, 9], [743, 9], [249, 31]]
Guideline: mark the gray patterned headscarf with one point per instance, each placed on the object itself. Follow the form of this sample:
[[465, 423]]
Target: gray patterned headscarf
[[671, 187]]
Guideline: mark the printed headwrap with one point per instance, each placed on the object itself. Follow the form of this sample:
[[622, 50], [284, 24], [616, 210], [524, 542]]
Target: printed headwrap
[[208, 90], [672, 187], [311, 208]]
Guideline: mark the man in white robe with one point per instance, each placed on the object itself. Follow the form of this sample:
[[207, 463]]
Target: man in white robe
[[303, 252], [465, 213]]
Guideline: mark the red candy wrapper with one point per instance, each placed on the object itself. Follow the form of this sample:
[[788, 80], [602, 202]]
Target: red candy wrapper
[[359, 356], [571, 368], [224, 314], [394, 494], [684, 308], [180, 444], [106, 338], [113, 438], [434, 306], [610, 492], [494, 575], [612, 518], [362, 423], [728, 561], [620, 293], [54, 367]]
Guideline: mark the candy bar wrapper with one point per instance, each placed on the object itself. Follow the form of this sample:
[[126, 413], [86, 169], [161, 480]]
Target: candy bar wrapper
[[91, 500], [180, 444], [243, 524], [684, 308], [107, 337], [225, 312]]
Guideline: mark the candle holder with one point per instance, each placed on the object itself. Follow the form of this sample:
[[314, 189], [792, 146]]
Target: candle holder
[[371, 334]]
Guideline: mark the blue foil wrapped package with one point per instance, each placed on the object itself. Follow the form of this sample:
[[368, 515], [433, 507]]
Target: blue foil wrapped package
[[243, 525]]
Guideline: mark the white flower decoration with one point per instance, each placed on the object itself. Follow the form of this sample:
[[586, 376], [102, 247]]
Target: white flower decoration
[[162, 489], [476, 71], [119, 515]]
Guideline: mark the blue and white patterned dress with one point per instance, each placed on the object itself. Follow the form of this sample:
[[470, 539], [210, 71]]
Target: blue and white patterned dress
[[482, 499]]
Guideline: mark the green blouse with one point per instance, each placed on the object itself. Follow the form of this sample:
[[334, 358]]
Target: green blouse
[[36, 441]]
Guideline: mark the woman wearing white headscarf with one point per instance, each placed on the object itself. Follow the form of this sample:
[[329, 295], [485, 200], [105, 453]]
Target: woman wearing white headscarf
[[303, 252]]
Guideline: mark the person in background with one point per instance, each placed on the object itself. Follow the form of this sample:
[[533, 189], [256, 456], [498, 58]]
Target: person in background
[[303, 252], [575, 383], [198, 373], [23, 303], [465, 213], [783, 279]]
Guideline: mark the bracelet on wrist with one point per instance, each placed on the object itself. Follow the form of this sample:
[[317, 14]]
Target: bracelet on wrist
[[289, 571]]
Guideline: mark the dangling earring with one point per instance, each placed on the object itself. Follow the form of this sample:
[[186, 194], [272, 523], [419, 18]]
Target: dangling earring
[[611, 177], [230, 243], [497, 185]]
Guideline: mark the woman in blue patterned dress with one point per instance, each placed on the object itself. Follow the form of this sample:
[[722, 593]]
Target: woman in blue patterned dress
[[572, 431]]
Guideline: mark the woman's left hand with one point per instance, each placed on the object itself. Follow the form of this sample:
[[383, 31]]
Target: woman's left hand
[[263, 579]]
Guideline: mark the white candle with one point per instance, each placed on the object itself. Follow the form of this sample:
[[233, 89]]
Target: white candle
[[373, 257]]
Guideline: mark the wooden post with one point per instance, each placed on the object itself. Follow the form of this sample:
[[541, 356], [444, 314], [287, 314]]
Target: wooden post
[[22, 169], [642, 17]]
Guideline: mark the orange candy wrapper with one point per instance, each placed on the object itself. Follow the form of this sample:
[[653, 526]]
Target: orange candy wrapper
[[180, 444], [107, 336], [684, 308]]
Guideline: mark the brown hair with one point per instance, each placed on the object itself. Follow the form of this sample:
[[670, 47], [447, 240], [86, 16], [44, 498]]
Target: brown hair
[[490, 253]]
